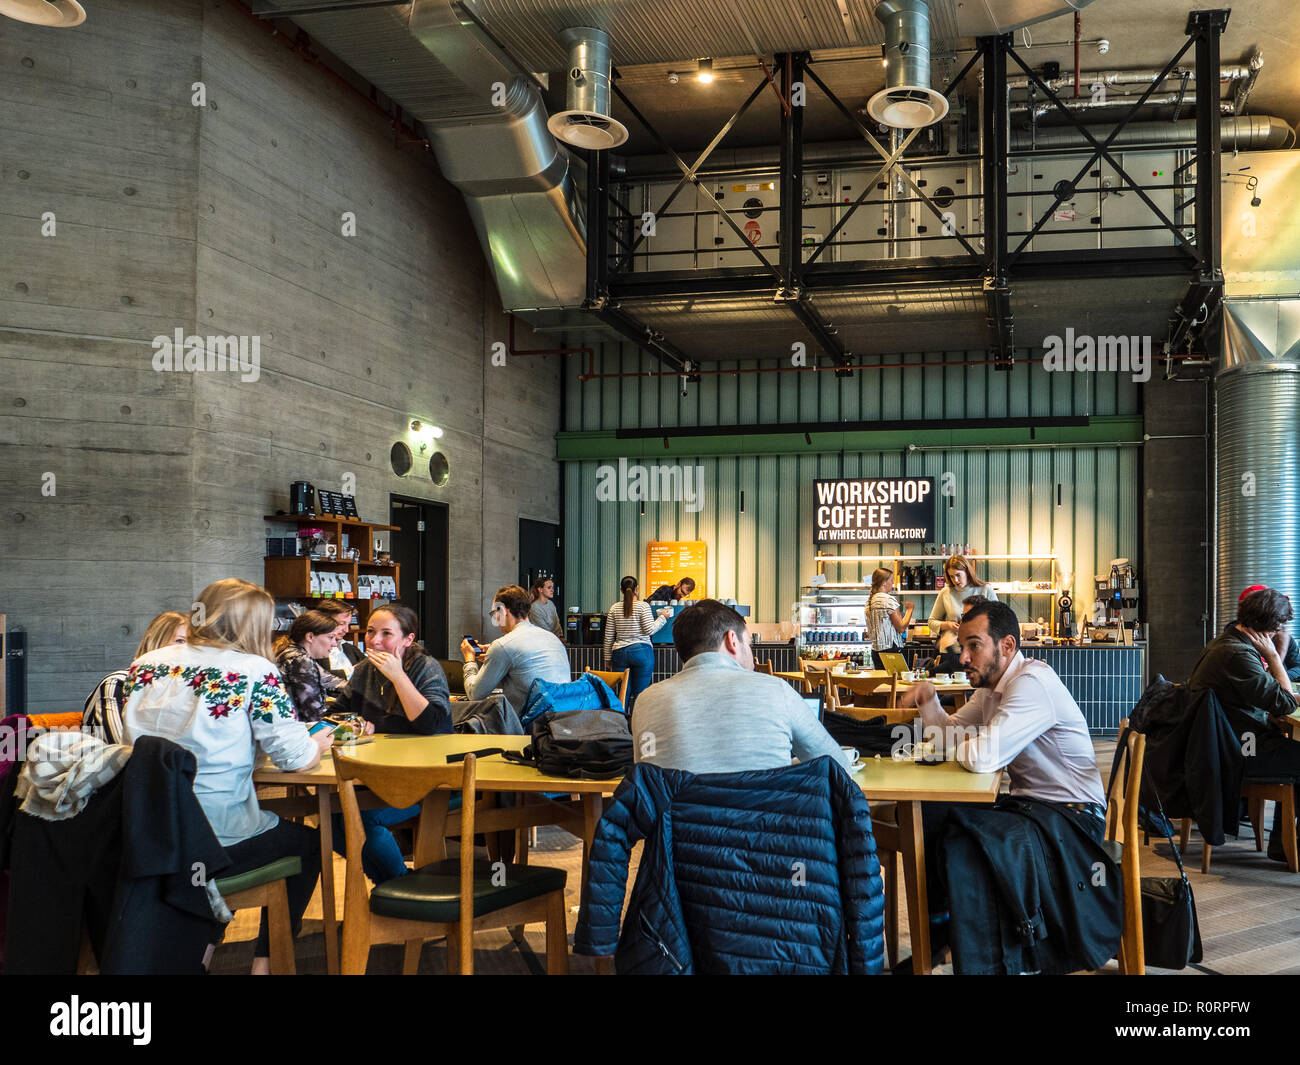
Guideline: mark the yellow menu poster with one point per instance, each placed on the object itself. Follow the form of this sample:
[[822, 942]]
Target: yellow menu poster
[[668, 561]]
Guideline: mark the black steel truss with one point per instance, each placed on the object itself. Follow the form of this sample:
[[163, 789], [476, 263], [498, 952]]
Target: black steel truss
[[794, 279]]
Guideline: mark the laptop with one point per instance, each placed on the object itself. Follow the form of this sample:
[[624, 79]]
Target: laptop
[[816, 703], [893, 662]]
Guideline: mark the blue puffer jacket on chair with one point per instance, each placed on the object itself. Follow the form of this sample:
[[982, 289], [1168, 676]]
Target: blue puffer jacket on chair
[[770, 871]]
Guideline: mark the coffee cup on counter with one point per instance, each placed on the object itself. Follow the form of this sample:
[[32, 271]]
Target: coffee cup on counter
[[908, 676], [853, 756]]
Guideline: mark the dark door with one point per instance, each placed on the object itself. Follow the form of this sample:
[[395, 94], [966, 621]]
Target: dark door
[[539, 555], [419, 546]]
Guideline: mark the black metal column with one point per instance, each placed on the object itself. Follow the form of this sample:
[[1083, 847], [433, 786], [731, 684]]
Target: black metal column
[[597, 228], [1199, 305], [791, 217], [997, 293]]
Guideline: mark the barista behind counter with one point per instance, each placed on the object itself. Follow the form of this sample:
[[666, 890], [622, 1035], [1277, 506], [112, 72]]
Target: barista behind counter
[[665, 634], [960, 583], [666, 593]]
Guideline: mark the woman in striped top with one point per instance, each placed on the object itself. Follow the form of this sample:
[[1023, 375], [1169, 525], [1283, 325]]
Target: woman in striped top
[[628, 628]]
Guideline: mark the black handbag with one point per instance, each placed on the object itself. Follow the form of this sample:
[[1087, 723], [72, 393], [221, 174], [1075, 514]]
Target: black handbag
[[1171, 934]]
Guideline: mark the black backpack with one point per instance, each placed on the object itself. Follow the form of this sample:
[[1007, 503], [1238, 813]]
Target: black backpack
[[586, 744]]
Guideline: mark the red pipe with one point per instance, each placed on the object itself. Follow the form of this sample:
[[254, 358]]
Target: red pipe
[[1078, 34], [697, 372]]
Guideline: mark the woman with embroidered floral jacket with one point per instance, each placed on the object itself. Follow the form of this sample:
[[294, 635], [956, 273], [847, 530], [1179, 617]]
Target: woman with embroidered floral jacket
[[221, 697]]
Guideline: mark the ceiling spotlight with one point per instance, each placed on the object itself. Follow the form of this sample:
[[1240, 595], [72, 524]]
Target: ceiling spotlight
[[673, 77], [704, 71], [60, 13]]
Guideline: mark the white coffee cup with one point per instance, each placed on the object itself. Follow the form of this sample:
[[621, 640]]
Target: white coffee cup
[[909, 677], [853, 755], [943, 678]]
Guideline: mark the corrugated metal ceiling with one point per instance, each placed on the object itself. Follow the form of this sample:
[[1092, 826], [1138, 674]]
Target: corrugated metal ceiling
[[661, 31]]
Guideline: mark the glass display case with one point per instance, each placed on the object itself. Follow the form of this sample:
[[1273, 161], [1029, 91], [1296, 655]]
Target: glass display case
[[832, 623]]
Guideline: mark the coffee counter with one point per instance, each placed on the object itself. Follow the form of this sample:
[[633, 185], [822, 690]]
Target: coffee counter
[[1106, 680]]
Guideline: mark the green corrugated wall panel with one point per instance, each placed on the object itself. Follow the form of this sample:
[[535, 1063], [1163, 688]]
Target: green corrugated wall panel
[[766, 554]]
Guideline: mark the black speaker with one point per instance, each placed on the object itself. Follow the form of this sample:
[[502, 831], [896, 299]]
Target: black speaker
[[13, 647]]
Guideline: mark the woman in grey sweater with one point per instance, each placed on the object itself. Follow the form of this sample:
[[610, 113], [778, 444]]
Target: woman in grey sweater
[[960, 583], [543, 613]]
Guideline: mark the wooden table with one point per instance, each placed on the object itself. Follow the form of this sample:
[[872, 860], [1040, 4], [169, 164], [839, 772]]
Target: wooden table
[[909, 785], [494, 774], [867, 682]]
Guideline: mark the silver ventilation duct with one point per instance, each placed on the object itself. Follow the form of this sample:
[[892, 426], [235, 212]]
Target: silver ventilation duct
[[1257, 451], [486, 122], [1244, 133], [586, 122], [906, 101], [1257, 387], [518, 182]]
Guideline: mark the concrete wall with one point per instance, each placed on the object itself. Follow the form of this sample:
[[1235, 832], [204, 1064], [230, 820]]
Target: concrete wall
[[227, 220]]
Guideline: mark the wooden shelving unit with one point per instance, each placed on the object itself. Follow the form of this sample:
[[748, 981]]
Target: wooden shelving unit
[[289, 576]]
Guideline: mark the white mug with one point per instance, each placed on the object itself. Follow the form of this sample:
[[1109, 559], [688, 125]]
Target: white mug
[[853, 755]]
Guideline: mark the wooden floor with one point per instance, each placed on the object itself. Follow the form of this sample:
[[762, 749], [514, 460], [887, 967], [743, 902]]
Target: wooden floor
[[1249, 910]]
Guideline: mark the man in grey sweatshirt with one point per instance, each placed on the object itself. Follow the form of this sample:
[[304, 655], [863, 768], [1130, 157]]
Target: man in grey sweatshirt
[[520, 656], [717, 715]]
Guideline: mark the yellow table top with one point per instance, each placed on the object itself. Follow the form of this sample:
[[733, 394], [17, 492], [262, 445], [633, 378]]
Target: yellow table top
[[906, 781], [493, 772], [880, 778]]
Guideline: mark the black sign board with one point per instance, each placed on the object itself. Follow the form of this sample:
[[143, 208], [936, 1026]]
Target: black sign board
[[873, 510]]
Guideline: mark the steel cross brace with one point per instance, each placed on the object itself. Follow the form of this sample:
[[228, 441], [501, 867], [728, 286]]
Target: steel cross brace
[[1102, 150], [688, 172], [891, 164]]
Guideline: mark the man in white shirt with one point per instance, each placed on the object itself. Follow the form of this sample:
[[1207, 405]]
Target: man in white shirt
[[1020, 718]]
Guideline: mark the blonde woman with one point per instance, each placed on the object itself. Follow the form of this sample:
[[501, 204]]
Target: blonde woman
[[886, 625], [102, 714], [960, 583], [220, 697]]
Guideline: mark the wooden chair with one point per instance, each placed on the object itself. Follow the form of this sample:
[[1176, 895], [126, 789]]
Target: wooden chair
[[1124, 846], [1256, 793], [617, 681], [441, 897], [763, 667], [265, 887]]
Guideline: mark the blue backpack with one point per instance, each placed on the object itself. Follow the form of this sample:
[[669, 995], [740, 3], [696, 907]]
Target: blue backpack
[[588, 692]]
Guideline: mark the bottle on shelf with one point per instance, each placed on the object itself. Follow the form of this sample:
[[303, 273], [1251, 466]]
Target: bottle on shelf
[[944, 551]]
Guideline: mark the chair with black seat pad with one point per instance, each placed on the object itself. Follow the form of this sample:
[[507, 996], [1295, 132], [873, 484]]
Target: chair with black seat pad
[[441, 897], [265, 887]]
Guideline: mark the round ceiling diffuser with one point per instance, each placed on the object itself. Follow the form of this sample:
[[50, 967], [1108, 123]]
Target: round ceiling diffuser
[[60, 13], [908, 106], [587, 129]]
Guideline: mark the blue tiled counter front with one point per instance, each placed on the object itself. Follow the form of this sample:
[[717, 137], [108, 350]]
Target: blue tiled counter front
[[782, 656], [1106, 682]]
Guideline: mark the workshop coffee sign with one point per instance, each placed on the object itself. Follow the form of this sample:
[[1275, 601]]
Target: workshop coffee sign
[[873, 510]]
